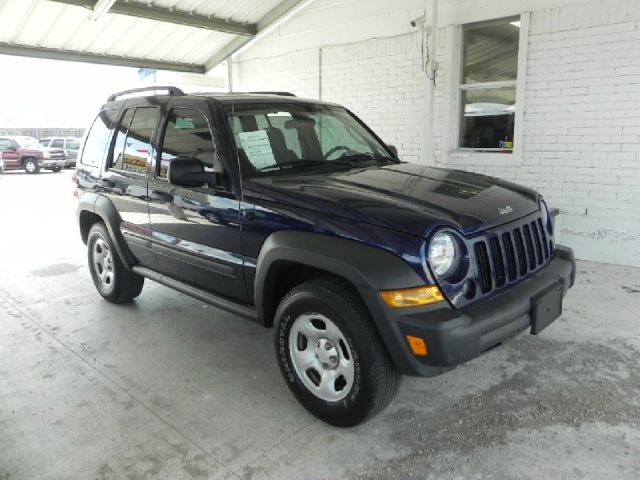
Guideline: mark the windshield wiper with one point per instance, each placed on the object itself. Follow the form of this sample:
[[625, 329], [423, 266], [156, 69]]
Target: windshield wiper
[[358, 159], [293, 163]]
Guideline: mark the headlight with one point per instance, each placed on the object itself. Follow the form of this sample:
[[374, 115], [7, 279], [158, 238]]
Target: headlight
[[546, 220], [443, 254]]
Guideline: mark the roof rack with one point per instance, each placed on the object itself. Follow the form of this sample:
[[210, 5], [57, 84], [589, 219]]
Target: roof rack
[[283, 94], [170, 90]]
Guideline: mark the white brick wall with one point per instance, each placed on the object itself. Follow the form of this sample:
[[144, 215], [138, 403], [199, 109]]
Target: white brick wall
[[581, 145], [380, 80], [581, 127]]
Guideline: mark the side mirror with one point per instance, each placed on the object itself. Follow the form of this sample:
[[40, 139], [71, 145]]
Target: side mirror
[[189, 172], [393, 150]]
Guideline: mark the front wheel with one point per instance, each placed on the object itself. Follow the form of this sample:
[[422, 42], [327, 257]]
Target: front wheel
[[56, 169], [113, 281], [31, 166], [330, 355]]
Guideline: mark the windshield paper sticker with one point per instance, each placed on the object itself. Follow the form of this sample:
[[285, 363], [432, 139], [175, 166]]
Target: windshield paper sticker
[[258, 148]]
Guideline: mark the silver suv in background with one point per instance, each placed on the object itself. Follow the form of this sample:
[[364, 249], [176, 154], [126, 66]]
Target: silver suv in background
[[70, 145]]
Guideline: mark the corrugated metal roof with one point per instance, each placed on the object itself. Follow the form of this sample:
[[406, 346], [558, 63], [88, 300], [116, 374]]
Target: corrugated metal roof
[[249, 11], [52, 25]]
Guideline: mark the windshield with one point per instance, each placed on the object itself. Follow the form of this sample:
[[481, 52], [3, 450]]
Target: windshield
[[284, 138], [28, 142]]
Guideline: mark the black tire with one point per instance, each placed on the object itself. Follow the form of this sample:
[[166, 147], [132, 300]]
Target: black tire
[[31, 165], [123, 285], [375, 380], [56, 169]]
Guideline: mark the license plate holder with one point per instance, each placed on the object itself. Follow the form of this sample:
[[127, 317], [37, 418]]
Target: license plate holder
[[546, 306]]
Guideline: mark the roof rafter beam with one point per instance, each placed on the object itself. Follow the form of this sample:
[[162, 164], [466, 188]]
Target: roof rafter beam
[[275, 15], [171, 16], [74, 56]]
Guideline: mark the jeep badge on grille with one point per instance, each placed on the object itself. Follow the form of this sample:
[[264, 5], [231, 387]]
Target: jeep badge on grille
[[505, 210]]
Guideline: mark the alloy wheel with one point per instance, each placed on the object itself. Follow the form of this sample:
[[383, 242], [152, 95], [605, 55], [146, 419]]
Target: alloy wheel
[[103, 264]]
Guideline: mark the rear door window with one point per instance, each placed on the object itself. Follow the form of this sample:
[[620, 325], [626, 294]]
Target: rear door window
[[73, 144], [133, 148]]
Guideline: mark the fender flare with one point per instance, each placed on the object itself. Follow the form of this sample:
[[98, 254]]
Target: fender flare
[[369, 269], [104, 208], [366, 267]]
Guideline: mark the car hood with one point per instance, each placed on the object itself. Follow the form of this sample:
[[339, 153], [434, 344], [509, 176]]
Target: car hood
[[406, 197]]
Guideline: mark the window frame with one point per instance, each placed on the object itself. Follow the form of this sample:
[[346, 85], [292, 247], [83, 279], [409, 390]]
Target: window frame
[[55, 140], [454, 154], [108, 147], [152, 140], [155, 169], [11, 143], [66, 142]]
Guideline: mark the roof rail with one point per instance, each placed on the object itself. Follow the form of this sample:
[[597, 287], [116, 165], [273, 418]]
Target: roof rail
[[171, 90], [283, 94]]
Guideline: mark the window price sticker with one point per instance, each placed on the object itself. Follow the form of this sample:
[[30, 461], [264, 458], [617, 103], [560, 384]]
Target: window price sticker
[[258, 148]]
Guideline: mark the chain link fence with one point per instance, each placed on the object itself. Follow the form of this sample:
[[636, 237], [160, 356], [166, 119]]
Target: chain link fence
[[43, 132]]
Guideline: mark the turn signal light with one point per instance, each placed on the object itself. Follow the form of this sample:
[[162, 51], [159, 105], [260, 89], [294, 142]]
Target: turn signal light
[[412, 297], [418, 347]]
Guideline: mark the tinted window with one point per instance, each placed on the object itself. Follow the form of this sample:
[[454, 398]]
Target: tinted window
[[132, 154], [491, 51], [95, 147], [188, 136], [73, 144], [121, 137], [57, 143], [489, 117], [490, 57], [5, 143], [277, 138], [44, 142]]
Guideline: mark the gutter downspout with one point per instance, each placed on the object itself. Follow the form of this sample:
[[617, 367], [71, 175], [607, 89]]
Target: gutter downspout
[[430, 69]]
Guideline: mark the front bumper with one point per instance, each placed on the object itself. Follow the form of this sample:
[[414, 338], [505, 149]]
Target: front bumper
[[456, 336], [52, 162]]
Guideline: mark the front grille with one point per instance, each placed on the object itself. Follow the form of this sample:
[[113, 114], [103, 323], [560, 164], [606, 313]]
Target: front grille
[[484, 269], [509, 253]]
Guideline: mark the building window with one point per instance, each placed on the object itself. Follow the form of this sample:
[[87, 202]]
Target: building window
[[488, 85]]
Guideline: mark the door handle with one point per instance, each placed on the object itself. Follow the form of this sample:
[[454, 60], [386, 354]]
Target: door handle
[[162, 195]]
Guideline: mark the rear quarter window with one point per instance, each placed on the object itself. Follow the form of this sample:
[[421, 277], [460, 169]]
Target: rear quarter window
[[98, 139]]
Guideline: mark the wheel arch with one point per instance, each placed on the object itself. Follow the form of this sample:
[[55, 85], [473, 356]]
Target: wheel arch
[[94, 208], [310, 254]]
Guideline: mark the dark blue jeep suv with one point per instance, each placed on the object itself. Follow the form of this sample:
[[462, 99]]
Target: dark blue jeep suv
[[294, 214]]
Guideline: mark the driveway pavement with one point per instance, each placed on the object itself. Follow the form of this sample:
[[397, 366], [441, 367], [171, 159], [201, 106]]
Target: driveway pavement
[[170, 388]]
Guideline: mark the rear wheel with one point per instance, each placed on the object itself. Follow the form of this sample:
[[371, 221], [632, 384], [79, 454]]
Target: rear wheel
[[31, 165], [112, 280], [330, 354]]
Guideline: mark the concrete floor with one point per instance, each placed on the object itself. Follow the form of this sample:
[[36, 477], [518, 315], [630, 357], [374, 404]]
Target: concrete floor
[[170, 388]]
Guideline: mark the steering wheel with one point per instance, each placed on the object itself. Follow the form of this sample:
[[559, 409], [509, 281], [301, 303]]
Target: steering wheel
[[336, 149]]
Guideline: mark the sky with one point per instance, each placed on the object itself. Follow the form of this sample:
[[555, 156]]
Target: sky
[[53, 93]]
